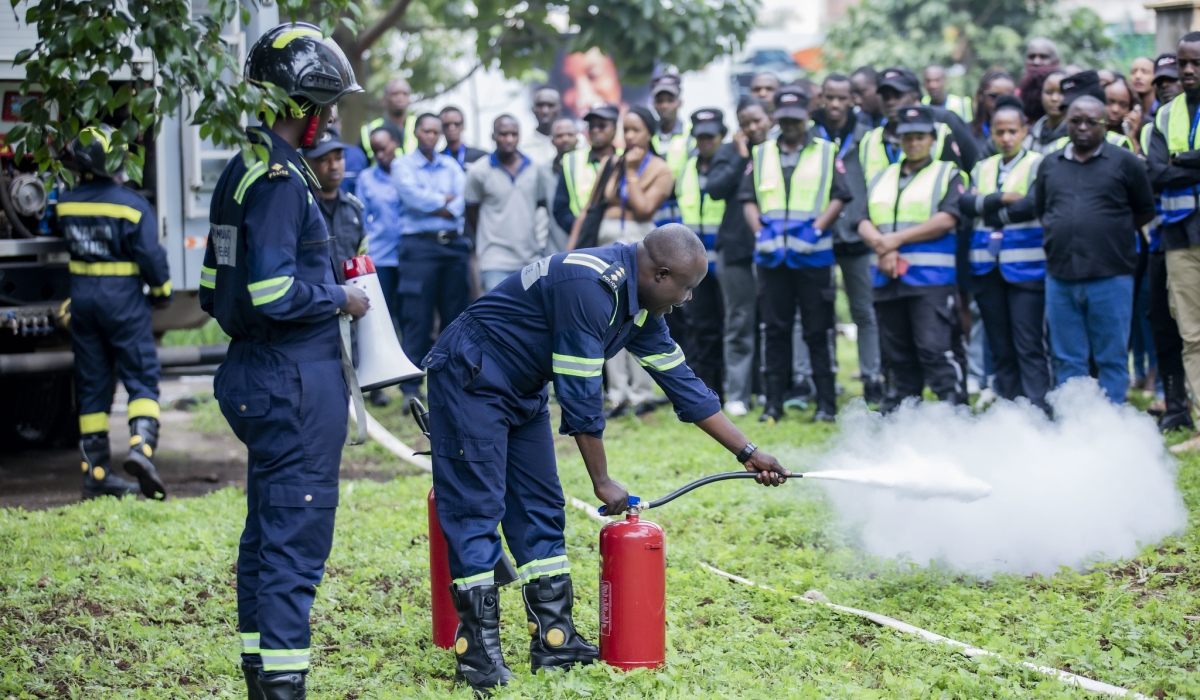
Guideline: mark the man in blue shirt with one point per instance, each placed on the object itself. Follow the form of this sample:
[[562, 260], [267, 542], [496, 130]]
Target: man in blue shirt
[[493, 451], [434, 255]]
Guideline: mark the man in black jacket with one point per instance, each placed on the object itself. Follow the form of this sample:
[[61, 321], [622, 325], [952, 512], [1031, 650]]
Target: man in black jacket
[[838, 123], [735, 253]]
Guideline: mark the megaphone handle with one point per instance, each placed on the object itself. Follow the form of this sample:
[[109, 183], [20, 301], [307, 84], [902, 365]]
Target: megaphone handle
[[356, 397]]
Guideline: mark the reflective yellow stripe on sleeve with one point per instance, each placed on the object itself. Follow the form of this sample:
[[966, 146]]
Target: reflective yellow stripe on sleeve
[[268, 291], [112, 211], [163, 290], [577, 366], [208, 277], [256, 171], [104, 269], [663, 362]]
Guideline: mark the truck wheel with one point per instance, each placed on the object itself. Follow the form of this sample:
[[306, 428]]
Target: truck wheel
[[38, 411]]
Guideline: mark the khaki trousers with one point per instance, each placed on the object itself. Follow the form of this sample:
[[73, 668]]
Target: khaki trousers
[[1183, 287]]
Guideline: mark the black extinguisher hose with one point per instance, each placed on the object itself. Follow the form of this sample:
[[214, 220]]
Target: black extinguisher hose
[[695, 485]]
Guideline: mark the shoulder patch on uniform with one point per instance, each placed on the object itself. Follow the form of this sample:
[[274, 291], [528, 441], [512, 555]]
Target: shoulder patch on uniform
[[613, 276], [277, 171], [354, 200]]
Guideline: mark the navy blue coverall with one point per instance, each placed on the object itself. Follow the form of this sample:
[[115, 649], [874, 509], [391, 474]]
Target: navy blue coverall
[[112, 234], [268, 280], [493, 451]]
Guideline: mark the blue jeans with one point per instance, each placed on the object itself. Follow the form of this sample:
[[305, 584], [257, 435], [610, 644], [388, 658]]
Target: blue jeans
[[488, 279], [1091, 316]]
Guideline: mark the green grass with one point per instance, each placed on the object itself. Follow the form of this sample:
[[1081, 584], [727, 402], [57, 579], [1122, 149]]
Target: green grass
[[134, 599], [208, 334]]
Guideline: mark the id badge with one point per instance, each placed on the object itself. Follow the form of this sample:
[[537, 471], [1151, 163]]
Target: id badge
[[994, 241]]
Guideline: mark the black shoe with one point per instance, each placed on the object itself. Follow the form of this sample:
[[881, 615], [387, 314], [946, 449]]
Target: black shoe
[[1178, 413], [773, 412], [554, 644], [98, 479], [646, 407], [616, 411], [826, 399], [251, 672], [823, 416], [873, 391], [479, 659], [380, 399], [286, 686], [143, 441]]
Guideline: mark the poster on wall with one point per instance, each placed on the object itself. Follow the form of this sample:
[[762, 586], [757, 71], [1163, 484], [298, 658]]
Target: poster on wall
[[588, 77]]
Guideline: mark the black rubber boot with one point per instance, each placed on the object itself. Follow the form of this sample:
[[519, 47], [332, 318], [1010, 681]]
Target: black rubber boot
[[98, 479], [1178, 413], [773, 411], [143, 441], [873, 390], [480, 661], [554, 643], [826, 400], [285, 686], [251, 672]]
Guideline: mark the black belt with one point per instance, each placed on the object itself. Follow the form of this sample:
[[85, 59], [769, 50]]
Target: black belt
[[442, 237]]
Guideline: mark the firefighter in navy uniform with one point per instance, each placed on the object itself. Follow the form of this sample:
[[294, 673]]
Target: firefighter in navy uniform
[[268, 279], [113, 238], [557, 320]]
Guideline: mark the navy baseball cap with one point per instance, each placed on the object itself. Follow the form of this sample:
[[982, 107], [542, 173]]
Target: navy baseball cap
[[899, 79], [331, 140], [791, 102], [917, 119], [603, 110], [708, 122], [1166, 66]]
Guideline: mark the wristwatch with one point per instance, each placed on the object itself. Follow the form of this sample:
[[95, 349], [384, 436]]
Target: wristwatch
[[746, 452]]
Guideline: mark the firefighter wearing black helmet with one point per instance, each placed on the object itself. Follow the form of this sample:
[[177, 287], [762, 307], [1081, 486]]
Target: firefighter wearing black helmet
[[113, 238], [268, 279]]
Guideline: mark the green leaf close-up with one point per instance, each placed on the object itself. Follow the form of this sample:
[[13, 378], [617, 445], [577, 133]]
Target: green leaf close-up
[[136, 599]]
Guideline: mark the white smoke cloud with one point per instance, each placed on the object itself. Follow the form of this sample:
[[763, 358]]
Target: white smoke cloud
[[1094, 484]]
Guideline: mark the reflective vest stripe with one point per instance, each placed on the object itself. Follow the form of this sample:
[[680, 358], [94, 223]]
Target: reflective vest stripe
[[959, 104], [788, 212], [775, 244], [872, 153], [1178, 204], [580, 176], [1020, 243], [677, 148], [104, 269], [408, 143]]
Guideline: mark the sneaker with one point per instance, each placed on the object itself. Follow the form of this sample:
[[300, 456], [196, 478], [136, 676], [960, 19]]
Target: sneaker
[[986, 398], [973, 385], [1187, 446], [737, 409]]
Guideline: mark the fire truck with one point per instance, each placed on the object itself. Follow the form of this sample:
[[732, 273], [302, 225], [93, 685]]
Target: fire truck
[[37, 403]]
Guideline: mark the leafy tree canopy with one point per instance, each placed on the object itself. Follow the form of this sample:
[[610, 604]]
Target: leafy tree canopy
[[975, 34], [85, 45]]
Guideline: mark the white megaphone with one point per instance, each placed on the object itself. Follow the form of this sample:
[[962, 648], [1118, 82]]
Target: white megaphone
[[381, 362]]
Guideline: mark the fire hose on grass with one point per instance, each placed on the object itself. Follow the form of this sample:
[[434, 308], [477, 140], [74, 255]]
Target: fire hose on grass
[[644, 541]]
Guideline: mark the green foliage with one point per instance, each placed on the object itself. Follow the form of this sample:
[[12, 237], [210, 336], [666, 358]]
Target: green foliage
[[976, 34], [135, 599], [85, 46], [208, 334]]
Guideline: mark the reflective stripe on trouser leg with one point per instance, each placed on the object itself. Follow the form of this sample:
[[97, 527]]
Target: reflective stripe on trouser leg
[[250, 642], [93, 423], [537, 568], [284, 659], [484, 579]]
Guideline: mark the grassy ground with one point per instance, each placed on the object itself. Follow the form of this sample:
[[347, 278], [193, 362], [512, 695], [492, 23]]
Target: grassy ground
[[136, 600]]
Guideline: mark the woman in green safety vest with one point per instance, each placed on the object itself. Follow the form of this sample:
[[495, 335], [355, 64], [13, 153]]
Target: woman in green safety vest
[[1007, 258], [912, 212], [1123, 120]]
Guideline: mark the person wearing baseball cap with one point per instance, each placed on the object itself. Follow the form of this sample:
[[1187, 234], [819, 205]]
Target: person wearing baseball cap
[[672, 140], [704, 314], [581, 167], [1088, 83], [1166, 71], [793, 194], [899, 88], [910, 221]]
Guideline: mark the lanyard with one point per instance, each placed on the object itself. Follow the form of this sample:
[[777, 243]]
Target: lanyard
[[1192, 133], [625, 187], [893, 152], [845, 145]]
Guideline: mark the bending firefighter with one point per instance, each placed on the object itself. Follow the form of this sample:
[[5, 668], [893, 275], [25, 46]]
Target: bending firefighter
[[268, 279], [556, 320], [113, 238]]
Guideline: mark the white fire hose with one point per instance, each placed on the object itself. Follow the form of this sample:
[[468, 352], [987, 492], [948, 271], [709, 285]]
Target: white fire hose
[[381, 435]]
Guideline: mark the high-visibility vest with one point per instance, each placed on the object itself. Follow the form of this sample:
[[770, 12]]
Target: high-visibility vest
[[407, 145], [929, 262], [701, 213], [787, 218], [872, 152], [959, 104], [1021, 256], [674, 149], [580, 176], [1154, 228], [1173, 121]]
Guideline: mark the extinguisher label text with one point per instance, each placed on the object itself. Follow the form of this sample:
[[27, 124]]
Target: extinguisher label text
[[605, 608]]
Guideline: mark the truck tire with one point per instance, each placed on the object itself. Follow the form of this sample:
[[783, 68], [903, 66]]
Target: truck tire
[[37, 411]]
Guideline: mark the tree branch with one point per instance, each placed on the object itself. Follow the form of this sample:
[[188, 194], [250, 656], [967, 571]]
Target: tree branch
[[370, 35]]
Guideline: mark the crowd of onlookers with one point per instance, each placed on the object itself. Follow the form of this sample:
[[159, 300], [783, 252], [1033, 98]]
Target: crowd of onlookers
[[994, 244]]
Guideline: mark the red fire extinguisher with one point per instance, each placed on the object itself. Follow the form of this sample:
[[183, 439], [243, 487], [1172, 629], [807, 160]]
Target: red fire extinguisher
[[633, 590], [445, 617]]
